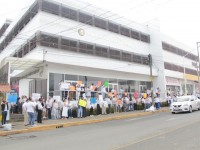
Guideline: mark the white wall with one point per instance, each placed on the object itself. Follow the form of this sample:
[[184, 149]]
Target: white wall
[[157, 55], [85, 71], [24, 87], [178, 60], [77, 59]]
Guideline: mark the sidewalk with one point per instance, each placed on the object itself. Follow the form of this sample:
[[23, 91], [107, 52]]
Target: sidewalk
[[18, 127]]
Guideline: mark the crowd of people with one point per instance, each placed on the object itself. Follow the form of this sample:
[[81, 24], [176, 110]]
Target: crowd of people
[[98, 103]]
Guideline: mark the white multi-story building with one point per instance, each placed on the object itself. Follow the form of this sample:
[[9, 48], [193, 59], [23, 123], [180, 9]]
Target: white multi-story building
[[74, 42]]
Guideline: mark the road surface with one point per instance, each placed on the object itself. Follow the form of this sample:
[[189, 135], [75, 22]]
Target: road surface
[[161, 131]]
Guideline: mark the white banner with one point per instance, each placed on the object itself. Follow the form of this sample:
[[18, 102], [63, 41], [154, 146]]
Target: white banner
[[172, 81], [35, 96]]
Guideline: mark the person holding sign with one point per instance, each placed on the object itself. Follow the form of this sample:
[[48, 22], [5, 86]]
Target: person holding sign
[[81, 104]]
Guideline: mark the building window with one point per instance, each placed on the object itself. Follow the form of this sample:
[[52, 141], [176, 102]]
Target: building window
[[145, 60], [135, 35], [86, 48], [69, 45], [144, 38], [126, 56], [85, 18], [101, 51], [49, 41], [124, 31], [115, 54], [100, 23], [137, 59], [113, 27], [69, 13], [50, 7], [26, 49], [20, 53]]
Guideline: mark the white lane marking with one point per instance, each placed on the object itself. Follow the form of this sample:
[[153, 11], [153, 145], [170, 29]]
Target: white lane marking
[[171, 119], [140, 118]]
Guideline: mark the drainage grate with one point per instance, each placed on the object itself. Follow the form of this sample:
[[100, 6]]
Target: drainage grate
[[60, 126]]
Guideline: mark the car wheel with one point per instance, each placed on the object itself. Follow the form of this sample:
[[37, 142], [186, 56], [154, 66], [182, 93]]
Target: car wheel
[[190, 109], [173, 112]]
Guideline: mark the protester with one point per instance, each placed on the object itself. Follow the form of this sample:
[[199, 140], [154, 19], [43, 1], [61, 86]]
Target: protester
[[103, 109], [65, 109], [144, 103], [39, 111], [4, 109], [25, 113], [55, 110], [30, 107], [49, 105], [109, 104]]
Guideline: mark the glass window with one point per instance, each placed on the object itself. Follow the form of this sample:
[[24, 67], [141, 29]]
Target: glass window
[[54, 80], [113, 27], [69, 77], [126, 56], [135, 35], [100, 23], [69, 13], [85, 18], [50, 7], [137, 59], [20, 53], [101, 51], [144, 38], [69, 45], [115, 54], [49, 41], [86, 48], [145, 60], [26, 49], [124, 31]]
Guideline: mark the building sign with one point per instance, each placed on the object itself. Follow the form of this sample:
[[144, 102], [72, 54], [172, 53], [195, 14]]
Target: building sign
[[172, 81]]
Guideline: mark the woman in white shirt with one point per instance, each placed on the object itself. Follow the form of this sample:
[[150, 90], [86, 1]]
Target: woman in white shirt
[[65, 109], [55, 110]]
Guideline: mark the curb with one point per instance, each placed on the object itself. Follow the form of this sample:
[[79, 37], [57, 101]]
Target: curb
[[69, 124]]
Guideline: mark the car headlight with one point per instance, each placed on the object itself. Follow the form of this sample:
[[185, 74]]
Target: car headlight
[[185, 105]]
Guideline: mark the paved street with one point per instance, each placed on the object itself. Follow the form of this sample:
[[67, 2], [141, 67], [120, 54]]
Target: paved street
[[159, 131]]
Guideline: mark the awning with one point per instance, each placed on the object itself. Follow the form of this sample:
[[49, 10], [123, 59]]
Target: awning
[[5, 88], [19, 67]]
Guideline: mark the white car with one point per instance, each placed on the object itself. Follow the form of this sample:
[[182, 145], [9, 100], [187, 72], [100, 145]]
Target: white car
[[185, 104]]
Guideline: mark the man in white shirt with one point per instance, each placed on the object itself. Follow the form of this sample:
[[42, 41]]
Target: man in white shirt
[[30, 107], [109, 104], [49, 104], [25, 113]]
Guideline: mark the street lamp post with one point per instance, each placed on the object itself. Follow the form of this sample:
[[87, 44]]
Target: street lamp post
[[198, 64], [185, 86]]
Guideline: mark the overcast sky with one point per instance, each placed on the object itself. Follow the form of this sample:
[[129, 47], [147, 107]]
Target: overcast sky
[[179, 19]]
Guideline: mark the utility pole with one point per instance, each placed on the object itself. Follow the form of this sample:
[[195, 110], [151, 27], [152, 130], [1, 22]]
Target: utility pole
[[151, 76], [198, 64]]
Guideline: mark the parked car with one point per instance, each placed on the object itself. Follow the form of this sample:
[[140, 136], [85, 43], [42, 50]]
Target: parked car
[[185, 104]]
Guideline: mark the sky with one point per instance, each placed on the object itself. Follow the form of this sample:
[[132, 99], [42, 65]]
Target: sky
[[179, 19]]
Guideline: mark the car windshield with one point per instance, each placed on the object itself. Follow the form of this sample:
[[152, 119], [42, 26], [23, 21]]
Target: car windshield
[[183, 99]]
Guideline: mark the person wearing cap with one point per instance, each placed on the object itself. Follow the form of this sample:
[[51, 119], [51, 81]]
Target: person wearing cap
[[4, 109]]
